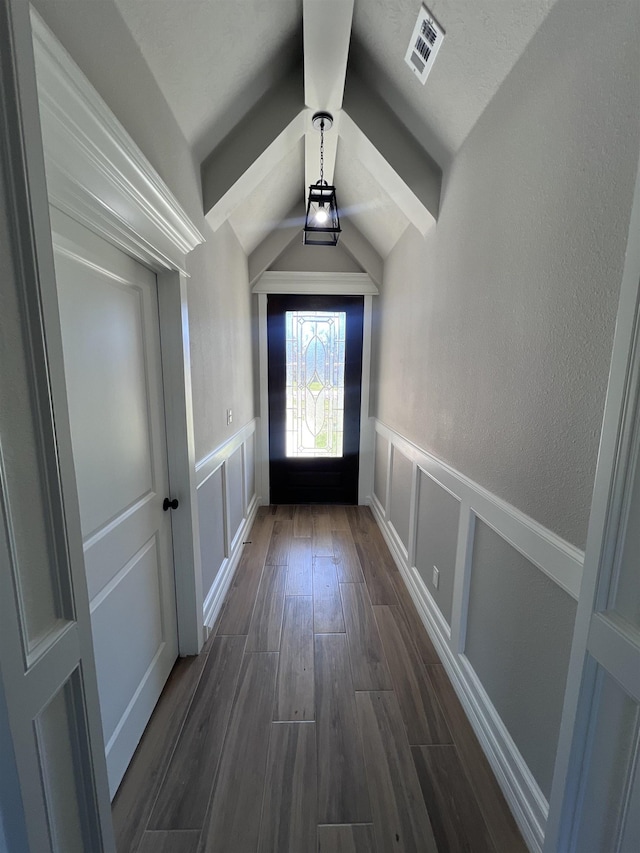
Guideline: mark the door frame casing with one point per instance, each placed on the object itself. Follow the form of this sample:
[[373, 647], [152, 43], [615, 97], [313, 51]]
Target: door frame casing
[[615, 462], [144, 220], [29, 683], [318, 284]]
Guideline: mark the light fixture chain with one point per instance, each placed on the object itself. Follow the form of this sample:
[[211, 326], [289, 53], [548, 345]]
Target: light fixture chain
[[322, 153]]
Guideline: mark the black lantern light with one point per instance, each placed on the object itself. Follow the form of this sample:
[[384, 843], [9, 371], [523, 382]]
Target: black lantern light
[[322, 224]]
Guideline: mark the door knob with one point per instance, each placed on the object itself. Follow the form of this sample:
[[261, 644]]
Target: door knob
[[167, 504]]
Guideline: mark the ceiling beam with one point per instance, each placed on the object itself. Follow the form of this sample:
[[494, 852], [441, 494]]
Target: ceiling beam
[[391, 154], [253, 149], [327, 33]]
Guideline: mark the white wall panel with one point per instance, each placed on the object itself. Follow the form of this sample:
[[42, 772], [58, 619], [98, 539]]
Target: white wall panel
[[235, 492], [519, 630], [211, 515], [438, 517], [381, 470], [400, 492], [250, 468], [227, 503]]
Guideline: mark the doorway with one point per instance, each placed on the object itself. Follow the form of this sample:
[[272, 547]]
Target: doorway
[[314, 391], [111, 347]]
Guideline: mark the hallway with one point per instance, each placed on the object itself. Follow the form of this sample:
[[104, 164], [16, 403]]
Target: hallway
[[317, 717]]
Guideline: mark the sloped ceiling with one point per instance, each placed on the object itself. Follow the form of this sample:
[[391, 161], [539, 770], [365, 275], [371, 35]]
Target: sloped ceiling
[[484, 39], [214, 61]]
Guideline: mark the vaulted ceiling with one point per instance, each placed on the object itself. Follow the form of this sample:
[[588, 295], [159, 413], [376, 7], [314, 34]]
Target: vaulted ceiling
[[243, 78]]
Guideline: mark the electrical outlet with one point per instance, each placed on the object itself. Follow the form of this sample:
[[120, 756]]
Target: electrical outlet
[[436, 577], [229, 417]]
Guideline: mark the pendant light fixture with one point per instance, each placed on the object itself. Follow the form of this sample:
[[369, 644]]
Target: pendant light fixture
[[322, 223]]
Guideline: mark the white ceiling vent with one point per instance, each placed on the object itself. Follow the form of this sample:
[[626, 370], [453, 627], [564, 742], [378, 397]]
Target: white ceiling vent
[[424, 45]]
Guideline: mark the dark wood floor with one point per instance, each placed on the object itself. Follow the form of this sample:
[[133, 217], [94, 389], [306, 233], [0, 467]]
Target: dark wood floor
[[317, 718]]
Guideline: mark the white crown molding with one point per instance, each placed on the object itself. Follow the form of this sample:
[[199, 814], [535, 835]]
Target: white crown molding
[[338, 283], [95, 171]]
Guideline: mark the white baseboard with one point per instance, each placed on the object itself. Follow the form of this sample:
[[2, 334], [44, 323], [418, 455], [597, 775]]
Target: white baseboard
[[521, 791], [216, 595]]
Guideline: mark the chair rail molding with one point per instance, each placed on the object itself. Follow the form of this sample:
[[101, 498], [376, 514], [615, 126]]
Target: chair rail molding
[[95, 171], [546, 551]]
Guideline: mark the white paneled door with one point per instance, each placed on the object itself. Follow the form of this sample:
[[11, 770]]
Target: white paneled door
[[110, 335]]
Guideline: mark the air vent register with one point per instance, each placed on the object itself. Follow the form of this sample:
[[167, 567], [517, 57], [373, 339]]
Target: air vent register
[[424, 44]]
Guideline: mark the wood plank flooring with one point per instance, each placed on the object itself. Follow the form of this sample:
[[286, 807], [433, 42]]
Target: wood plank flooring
[[317, 719]]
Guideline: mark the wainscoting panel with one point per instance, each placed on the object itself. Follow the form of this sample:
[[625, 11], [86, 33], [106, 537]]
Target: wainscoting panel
[[249, 469], [381, 470], [212, 526], [437, 523], [501, 618], [401, 478], [522, 661], [227, 503], [234, 477]]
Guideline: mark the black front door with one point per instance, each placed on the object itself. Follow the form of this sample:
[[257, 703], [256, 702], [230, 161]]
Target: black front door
[[315, 373]]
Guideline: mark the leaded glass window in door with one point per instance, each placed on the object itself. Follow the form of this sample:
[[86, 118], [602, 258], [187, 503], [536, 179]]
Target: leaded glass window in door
[[315, 350]]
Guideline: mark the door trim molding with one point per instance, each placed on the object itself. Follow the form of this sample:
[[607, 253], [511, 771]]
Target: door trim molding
[[95, 171], [317, 283], [62, 663], [615, 460], [98, 176], [320, 282]]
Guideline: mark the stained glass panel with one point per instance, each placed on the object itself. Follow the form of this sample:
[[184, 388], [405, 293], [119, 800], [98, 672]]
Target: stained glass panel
[[315, 342]]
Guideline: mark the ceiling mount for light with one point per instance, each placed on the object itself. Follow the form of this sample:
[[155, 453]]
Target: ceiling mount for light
[[322, 223]]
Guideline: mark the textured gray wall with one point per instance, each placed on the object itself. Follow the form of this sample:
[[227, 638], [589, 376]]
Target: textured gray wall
[[519, 634], [496, 330], [219, 302], [438, 519]]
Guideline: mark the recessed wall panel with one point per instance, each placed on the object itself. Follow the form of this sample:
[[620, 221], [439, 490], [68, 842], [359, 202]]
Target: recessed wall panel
[[250, 467], [380, 473], [35, 533], [437, 518], [614, 744], [401, 474], [63, 748], [519, 632], [211, 515], [234, 490]]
